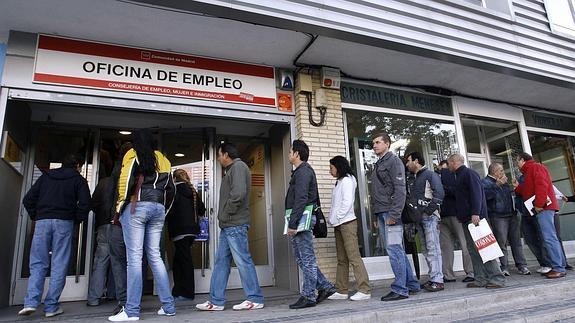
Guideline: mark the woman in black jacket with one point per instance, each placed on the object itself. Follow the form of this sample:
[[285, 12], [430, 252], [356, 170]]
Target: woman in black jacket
[[182, 230]]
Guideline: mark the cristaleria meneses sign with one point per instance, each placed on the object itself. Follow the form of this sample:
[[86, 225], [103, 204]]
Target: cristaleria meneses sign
[[79, 63]]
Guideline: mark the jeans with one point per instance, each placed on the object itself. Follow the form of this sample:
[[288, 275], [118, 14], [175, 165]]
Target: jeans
[[183, 269], [488, 272], [143, 229], [506, 229], [313, 278], [118, 261], [233, 243], [100, 264], [534, 240], [405, 280], [49, 235], [545, 219], [431, 248]]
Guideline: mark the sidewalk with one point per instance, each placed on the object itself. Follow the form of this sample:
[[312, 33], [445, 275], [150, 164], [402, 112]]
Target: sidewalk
[[530, 298]]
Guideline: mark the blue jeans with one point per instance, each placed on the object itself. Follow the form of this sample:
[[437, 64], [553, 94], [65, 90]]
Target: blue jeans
[[431, 248], [233, 243], [305, 257], [143, 229], [551, 242], [49, 235], [393, 237]]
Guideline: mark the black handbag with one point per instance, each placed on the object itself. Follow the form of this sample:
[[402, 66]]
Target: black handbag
[[411, 213], [320, 227]]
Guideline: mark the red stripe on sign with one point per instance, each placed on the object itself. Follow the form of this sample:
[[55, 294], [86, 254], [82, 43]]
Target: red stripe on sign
[[485, 242], [144, 88], [151, 56]]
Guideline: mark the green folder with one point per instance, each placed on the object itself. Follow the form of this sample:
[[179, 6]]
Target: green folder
[[304, 221]]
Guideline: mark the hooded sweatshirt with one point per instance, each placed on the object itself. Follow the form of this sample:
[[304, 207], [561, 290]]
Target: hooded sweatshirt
[[60, 193]]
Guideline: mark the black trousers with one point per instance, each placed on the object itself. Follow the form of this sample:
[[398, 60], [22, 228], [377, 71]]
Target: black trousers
[[183, 269]]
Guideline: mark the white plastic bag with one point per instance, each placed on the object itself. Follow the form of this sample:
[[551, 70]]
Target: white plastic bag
[[485, 241]]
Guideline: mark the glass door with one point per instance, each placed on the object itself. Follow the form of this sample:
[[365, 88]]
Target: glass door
[[49, 147]]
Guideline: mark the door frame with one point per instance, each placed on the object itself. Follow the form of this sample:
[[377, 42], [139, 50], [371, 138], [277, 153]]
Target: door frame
[[76, 287]]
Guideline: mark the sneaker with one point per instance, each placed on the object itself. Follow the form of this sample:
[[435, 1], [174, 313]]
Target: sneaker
[[208, 306], [337, 295], [323, 294], [434, 287], [27, 310], [359, 296], [117, 309], [506, 273], [122, 317], [52, 314], [543, 270], [162, 312], [302, 302], [524, 271], [247, 305]]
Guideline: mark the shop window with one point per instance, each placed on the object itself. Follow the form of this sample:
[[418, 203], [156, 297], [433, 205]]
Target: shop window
[[561, 15], [556, 152], [435, 139]]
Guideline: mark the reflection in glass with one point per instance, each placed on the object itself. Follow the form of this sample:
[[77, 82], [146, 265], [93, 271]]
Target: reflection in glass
[[435, 139]]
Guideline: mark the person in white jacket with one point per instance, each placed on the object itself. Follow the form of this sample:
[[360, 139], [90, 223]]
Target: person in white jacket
[[342, 218]]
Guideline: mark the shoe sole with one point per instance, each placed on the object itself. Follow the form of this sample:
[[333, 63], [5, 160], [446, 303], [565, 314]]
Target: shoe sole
[[210, 309], [360, 299], [26, 313]]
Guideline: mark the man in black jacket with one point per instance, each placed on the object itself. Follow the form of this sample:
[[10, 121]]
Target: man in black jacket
[[303, 191], [59, 198], [471, 207]]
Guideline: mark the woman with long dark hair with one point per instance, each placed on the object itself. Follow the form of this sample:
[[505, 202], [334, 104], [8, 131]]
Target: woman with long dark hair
[[183, 228], [145, 194], [342, 218]]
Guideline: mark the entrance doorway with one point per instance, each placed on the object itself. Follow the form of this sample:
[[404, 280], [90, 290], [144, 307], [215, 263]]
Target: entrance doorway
[[52, 131]]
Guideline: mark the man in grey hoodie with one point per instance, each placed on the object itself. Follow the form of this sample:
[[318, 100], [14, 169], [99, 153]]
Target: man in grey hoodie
[[387, 199], [234, 222]]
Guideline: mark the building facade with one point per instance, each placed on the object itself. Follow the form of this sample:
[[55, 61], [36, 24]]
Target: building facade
[[486, 78]]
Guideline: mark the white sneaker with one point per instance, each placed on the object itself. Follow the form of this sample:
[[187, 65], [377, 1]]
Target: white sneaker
[[27, 311], [337, 295], [52, 314], [359, 296], [162, 312], [543, 270], [208, 306], [247, 305], [122, 317]]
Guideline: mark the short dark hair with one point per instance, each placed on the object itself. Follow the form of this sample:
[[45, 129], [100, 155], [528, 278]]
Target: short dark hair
[[301, 148], [342, 166], [384, 136], [72, 161], [416, 155], [443, 162], [230, 149], [524, 156]]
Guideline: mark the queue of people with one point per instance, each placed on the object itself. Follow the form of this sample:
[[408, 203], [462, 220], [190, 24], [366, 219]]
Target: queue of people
[[141, 195]]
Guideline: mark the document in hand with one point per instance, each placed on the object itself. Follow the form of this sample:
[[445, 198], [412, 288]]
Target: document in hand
[[304, 222], [485, 241], [531, 208]]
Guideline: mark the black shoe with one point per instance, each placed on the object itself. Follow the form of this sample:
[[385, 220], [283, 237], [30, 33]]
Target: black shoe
[[468, 279], [302, 302], [322, 294], [422, 286], [117, 309], [392, 296], [568, 267], [413, 292], [93, 303], [448, 280]]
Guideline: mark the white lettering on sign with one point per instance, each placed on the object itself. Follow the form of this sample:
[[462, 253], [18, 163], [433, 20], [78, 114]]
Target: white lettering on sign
[[72, 62]]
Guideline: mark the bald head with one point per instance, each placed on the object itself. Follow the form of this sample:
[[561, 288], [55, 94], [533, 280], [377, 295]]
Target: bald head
[[455, 161]]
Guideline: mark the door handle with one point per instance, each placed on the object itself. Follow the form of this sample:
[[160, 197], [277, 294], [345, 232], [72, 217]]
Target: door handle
[[79, 251]]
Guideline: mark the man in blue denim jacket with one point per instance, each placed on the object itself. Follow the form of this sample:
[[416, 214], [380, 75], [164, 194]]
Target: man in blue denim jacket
[[503, 218]]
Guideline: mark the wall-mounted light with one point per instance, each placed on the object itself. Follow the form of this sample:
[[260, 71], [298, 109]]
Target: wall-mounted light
[[179, 155], [124, 132]]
